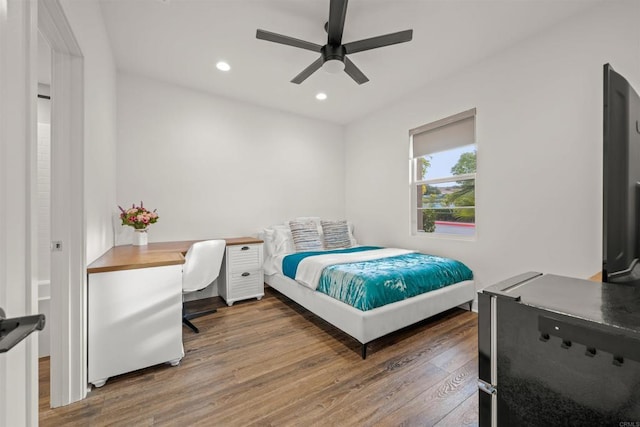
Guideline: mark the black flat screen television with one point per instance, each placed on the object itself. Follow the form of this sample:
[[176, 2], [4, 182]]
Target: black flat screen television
[[621, 180]]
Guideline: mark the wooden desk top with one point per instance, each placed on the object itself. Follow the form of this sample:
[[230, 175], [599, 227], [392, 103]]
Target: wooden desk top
[[596, 277], [129, 257]]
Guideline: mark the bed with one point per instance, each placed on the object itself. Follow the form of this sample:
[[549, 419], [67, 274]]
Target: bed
[[307, 277]]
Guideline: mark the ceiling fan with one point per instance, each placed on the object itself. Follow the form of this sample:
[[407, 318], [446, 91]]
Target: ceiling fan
[[333, 55]]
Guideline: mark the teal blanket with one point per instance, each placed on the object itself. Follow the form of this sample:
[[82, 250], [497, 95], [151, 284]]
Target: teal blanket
[[370, 284]]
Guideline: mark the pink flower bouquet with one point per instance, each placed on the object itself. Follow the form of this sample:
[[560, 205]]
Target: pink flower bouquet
[[138, 217]]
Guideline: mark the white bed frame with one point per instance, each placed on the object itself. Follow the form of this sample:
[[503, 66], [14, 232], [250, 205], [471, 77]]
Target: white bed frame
[[366, 326]]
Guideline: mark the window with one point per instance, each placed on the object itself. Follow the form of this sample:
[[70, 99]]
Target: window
[[443, 176]]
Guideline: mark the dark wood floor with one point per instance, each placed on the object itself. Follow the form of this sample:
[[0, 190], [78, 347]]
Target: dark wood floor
[[271, 362]]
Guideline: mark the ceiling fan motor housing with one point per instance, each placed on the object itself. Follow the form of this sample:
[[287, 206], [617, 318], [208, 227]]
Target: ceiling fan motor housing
[[330, 52]]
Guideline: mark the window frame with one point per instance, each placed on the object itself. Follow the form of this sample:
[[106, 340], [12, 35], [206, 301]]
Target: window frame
[[415, 184]]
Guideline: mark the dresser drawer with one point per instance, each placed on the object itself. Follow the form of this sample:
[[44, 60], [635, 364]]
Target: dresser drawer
[[243, 258]]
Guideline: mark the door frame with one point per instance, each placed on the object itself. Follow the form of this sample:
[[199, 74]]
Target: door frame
[[68, 219]]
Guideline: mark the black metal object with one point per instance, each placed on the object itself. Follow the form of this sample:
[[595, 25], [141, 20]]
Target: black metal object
[[502, 290], [505, 289], [289, 41], [558, 351], [484, 357], [354, 72], [186, 317], [315, 66], [335, 26], [379, 41], [334, 49], [190, 325], [620, 175], [594, 337], [14, 330]]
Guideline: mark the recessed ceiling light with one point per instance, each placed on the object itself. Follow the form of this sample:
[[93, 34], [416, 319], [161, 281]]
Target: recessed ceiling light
[[321, 96], [223, 66]]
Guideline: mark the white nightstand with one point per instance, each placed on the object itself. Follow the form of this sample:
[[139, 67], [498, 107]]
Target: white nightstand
[[241, 276]]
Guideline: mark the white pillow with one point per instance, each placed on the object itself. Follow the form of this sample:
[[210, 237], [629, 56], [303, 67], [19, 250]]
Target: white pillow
[[267, 237], [354, 242], [278, 240], [283, 240]]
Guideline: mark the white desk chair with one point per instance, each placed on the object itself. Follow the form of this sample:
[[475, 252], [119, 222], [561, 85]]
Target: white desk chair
[[201, 267]]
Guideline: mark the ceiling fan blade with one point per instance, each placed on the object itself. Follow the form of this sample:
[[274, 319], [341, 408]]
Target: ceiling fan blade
[[379, 41], [315, 65], [290, 41], [337, 14], [354, 72]]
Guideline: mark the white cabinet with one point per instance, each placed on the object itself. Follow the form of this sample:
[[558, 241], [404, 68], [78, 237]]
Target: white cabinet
[[134, 320], [241, 276]]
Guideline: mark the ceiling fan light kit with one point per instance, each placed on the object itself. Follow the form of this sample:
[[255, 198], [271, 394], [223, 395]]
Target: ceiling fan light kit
[[333, 55], [333, 66]]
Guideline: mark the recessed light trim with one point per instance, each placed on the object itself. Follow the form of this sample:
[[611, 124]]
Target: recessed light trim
[[321, 96], [223, 66]]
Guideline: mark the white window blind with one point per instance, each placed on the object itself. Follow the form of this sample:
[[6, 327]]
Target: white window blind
[[445, 137]]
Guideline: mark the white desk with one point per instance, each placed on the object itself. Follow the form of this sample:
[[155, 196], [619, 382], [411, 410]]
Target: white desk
[[135, 308]]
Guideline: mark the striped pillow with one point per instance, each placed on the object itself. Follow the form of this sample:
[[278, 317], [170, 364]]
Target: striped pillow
[[336, 234], [305, 236]]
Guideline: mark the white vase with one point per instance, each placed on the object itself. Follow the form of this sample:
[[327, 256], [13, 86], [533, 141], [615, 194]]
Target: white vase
[[140, 237]]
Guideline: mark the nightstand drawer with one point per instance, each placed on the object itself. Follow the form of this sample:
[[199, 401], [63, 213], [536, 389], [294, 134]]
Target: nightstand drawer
[[244, 257]]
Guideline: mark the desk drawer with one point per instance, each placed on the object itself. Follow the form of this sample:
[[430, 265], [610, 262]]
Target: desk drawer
[[242, 258]]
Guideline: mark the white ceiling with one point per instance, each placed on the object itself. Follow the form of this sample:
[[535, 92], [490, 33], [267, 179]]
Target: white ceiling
[[180, 41]]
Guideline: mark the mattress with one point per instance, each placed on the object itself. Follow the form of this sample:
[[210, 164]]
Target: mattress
[[370, 277]]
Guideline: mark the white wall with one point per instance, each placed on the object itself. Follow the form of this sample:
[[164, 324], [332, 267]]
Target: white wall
[[85, 18], [214, 167], [539, 133]]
